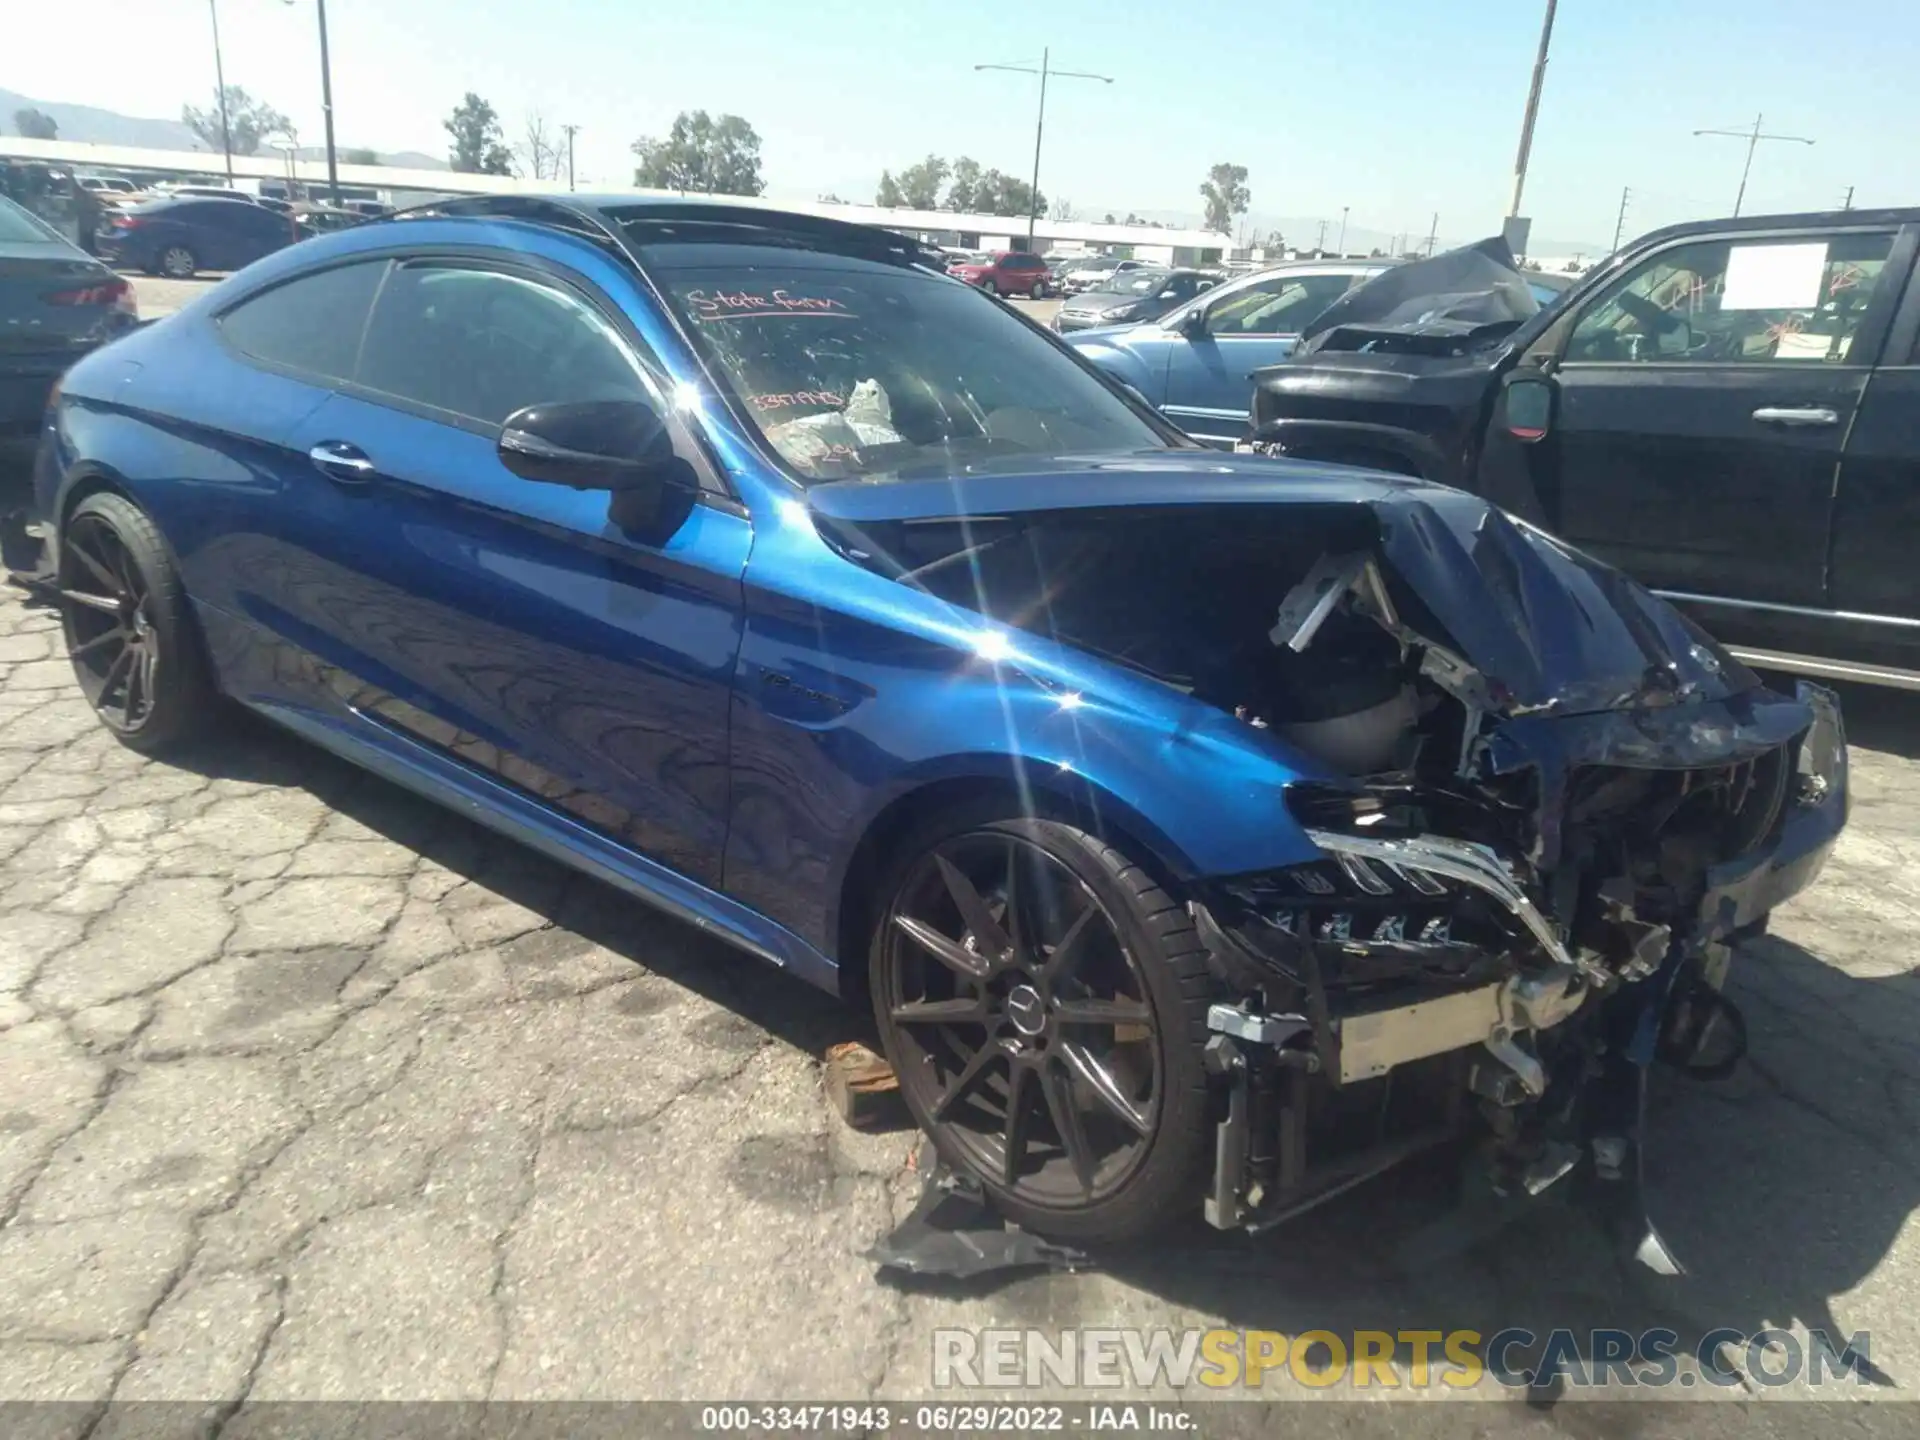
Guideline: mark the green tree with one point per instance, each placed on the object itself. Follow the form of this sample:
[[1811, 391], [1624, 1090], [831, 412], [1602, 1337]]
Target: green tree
[[832, 199], [479, 146], [1003, 194], [963, 192], [1109, 220], [360, 156], [35, 124], [920, 184], [888, 192], [1225, 191], [248, 122], [702, 155]]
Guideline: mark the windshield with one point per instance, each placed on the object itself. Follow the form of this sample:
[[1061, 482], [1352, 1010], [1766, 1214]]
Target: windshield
[[852, 369], [21, 227], [1136, 282]]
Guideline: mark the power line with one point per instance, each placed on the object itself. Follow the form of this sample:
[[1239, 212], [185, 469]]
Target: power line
[[1753, 138]]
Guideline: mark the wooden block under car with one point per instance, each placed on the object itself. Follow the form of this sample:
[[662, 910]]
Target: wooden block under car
[[864, 1088]]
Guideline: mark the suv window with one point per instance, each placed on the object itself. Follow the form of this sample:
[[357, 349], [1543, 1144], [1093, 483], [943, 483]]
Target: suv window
[[1738, 302], [312, 324], [484, 343], [1283, 305], [1022, 261]]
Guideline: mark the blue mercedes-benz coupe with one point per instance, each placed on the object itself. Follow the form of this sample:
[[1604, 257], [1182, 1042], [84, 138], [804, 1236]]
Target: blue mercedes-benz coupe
[[1203, 829]]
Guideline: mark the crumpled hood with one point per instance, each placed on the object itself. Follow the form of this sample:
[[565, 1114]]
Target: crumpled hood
[[1458, 295], [1551, 630]]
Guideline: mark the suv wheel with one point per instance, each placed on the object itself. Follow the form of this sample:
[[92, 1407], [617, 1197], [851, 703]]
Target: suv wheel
[[988, 286], [1039, 291], [1043, 1002]]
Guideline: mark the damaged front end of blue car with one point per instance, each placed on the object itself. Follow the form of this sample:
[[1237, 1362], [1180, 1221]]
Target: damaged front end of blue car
[[1498, 946]]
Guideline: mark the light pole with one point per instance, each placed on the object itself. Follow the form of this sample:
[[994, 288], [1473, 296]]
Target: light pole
[[220, 89], [326, 104], [1753, 138], [571, 130], [1040, 124], [1343, 230], [1533, 111]]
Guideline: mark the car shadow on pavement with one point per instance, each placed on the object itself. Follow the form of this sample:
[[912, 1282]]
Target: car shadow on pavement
[[252, 750]]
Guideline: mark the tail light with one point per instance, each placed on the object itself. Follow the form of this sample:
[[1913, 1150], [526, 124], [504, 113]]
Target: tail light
[[127, 222], [116, 293]]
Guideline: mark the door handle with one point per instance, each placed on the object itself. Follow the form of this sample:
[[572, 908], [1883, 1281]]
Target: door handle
[[1816, 415], [337, 460]]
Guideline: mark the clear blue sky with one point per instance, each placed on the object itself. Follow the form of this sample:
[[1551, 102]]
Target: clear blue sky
[[1395, 108]]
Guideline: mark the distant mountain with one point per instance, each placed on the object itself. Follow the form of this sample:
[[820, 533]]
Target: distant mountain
[[92, 126]]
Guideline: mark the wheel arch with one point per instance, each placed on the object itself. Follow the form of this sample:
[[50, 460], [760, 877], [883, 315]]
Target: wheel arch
[[1042, 790]]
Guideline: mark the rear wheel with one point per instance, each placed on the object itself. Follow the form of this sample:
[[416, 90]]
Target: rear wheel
[[1043, 1002], [988, 286], [128, 628], [177, 262], [1039, 291]]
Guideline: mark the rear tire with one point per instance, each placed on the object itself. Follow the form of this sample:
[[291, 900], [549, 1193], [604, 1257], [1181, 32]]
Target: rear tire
[[1096, 988], [177, 262], [129, 627], [1039, 291]]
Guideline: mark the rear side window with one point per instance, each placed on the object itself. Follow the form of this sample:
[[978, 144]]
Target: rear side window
[[312, 324], [485, 343]]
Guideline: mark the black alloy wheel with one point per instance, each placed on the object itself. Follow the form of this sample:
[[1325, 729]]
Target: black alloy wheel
[[1043, 1005], [128, 633]]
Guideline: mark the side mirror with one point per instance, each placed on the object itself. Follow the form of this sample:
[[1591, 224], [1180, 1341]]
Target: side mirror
[[1529, 409], [1194, 322], [588, 445]]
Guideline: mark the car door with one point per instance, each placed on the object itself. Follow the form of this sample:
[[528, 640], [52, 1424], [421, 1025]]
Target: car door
[[538, 633], [1873, 585], [202, 227], [1704, 399], [1245, 327]]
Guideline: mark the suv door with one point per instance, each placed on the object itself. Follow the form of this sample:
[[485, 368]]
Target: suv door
[[574, 651], [1874, 585], [1208, 389], [1704, 398]]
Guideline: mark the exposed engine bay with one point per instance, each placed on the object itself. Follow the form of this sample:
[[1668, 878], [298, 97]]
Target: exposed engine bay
[[1551, 809]]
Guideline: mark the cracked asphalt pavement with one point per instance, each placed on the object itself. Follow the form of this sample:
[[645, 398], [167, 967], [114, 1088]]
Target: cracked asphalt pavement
[[311, 1090]]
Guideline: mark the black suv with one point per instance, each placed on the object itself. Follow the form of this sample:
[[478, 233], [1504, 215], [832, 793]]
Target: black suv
[[1728, 410]]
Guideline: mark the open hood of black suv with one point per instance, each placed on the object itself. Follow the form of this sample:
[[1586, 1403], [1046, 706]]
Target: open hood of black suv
[[1457, 299]]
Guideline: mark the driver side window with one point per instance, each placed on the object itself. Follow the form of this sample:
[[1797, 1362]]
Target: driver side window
[[1737, 302]]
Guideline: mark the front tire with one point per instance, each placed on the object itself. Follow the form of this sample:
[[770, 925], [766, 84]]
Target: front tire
[[1043, 1002], [989, 287], [129, 627], [1039, 291]]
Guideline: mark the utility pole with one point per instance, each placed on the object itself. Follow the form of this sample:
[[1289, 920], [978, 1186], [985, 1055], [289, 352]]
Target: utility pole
[[1753, 138], [326, 106], [1343, 229], [571, 130], [1847, 204], [1320, 245], [1434, 233], [220, 83], [1621, 224], [1045, 72], [1533, 109]]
